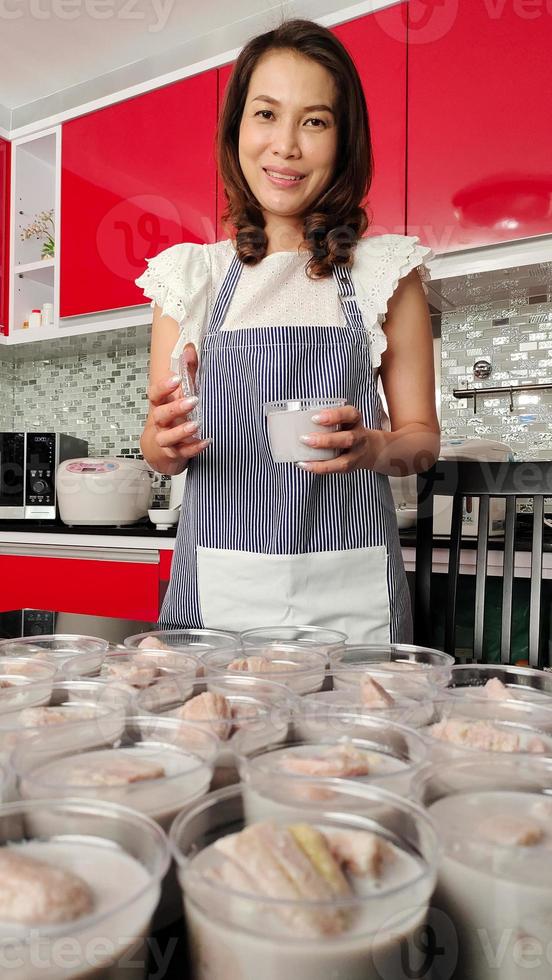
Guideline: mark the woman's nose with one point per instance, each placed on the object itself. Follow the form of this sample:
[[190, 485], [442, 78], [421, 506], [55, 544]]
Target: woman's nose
[[284, 141]]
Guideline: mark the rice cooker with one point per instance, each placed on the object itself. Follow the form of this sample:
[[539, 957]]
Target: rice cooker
[[106, 490]]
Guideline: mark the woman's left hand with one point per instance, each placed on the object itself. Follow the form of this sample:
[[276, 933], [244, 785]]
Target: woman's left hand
[[354, 441]]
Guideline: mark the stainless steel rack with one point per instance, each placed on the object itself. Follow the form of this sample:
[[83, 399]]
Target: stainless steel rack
[[508, 390]]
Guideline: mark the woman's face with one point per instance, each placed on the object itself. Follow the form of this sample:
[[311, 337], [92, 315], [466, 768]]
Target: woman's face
[[288, 124]]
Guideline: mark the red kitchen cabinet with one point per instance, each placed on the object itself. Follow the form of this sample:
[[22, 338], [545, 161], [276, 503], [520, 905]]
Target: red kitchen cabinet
[[5, 159], [125, 589], [137, 177], [377, 44], [479, 135]]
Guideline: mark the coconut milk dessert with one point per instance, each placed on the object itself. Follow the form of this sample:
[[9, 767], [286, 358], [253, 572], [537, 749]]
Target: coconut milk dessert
[[152, 776], [372, 693], [405, 662], [484, 725], [300, 669], [495, 882], [240, 721], [85, 654], [288, 421], [500, 683], [23, 682], [307, 901], [68, 910], [281, 779]]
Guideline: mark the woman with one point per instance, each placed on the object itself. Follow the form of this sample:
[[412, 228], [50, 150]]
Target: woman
[[292, 306]]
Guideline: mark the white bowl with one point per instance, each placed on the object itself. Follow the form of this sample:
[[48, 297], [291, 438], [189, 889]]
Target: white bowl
[[163, 517], [406, 517]]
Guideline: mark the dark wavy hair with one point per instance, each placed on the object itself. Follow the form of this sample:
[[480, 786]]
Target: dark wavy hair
[[337, 219]]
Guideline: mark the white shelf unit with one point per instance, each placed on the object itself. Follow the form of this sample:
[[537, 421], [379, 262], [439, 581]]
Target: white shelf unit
[[35, 187]]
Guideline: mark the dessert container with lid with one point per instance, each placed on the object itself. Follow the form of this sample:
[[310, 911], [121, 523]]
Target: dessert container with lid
[[274, 897]]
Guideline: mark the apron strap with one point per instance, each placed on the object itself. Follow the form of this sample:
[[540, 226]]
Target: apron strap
[[346, 290], [225, 293]]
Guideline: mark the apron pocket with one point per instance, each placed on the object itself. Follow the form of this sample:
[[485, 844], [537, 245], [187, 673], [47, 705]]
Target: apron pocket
[[342, 590]]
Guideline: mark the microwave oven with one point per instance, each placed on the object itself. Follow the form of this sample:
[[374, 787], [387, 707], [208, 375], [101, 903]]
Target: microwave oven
[[28, 464]]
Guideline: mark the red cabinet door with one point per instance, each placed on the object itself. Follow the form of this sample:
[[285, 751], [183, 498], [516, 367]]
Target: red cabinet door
[[137, 177], [129, 590], [377, 44], [479, 135], [5, 148]]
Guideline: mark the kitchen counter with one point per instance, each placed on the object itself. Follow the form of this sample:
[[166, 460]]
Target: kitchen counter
[[142, 536]]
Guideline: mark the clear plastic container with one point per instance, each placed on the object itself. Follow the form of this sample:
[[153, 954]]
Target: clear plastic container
[[80, 713], [316, 637], [254, 713], [23, 682], [122, 857], [420, 663], [299, 668], [194, 643], [158, 766], [238, 929], [478, 725], [139, 669], [59, 649], [378, 753], [408, 702], [494, 890], [288, 420], [520, 683]]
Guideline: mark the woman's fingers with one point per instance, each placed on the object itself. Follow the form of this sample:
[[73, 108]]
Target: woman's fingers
[[176, 434], [174, 412], [343, 440], [164, 390], [346, 415]]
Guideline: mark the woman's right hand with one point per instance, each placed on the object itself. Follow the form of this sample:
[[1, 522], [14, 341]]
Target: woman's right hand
[[172, 430]]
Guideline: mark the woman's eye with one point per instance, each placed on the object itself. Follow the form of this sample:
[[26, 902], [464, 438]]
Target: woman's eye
[[263, 112]]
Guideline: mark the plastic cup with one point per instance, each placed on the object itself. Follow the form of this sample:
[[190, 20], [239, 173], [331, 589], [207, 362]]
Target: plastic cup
[[288, 420], [302, 670], [136, 670], [259, 714], [414, 663], [313, 637], [411, 698], [60, 649], [181, 754], [468, 726], [88, 713], [278, 778], [23, 682], [237, 930], [193, 643], [521, 683], [121, 855], [494, 894]]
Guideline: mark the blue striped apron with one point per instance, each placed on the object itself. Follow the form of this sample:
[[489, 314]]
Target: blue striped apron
[[265, 543]]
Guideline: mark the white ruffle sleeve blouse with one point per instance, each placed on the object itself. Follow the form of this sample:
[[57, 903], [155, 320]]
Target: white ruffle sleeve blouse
[[183, 281]]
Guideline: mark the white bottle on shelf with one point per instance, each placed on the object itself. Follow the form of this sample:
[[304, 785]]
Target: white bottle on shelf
[[35, 319], [47, 314]]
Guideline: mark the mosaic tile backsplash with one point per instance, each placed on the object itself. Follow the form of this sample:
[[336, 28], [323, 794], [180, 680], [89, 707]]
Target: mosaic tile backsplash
[[505, 316], [91, 386], [94, 386]]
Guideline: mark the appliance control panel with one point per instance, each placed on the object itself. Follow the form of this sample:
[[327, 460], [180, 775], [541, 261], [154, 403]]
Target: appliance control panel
[[40, 469]]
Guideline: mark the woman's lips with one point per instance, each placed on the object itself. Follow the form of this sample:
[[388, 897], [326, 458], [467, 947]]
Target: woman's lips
[[283, 181]]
